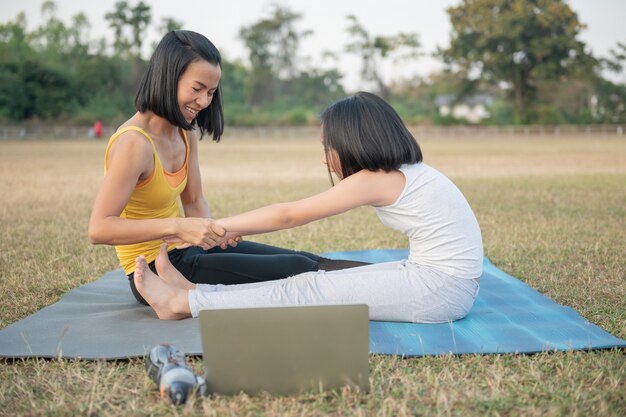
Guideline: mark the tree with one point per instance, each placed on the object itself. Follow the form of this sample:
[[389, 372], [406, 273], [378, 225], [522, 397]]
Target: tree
[[610, 98], [14, 49], [49, 73], [609, 102], [139, 19], [52, 38], [374, 49], [519, 43], [118, 19], [136, 19], [60, 46], [49, 91], [14, 40], [79, 33], [614, 63], [169, 24], [272, 44]]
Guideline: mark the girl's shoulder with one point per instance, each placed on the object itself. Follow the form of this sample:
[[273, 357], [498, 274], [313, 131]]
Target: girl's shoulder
[[385, 187], [420, 169], [418, 166]]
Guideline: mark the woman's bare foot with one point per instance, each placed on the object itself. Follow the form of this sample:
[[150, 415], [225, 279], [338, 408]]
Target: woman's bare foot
[[169, 273], [169, 302]]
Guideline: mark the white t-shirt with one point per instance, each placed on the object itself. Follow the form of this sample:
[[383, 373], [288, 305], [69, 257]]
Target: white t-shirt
[[442, 229]]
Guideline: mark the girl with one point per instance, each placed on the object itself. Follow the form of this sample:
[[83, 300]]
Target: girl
[[379, 163], [152, 161]]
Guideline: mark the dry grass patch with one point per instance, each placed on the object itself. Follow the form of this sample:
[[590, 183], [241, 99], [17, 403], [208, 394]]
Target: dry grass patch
[[552, 212]]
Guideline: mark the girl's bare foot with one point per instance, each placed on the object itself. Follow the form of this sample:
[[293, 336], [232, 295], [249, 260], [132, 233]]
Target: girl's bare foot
[[169, 273], [169, 302]]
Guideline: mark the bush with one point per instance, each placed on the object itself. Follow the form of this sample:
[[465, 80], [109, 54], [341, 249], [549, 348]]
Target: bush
[[295, 117], [448, 120], [502, 114], [544, 114]]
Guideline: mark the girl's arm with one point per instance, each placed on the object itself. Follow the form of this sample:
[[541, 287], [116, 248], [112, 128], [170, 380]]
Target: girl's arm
[[362, 188], [130, 160]]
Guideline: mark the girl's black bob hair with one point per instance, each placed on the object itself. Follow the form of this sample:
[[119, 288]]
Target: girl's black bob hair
[[159, 86], [367, 133]]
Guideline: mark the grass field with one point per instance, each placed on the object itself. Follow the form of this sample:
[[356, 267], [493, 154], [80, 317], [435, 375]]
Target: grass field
[[552, 213]]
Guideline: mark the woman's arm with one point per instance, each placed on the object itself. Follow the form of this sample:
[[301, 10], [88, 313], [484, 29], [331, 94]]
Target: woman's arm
[[130, 160], [362, 188], [194, 203]]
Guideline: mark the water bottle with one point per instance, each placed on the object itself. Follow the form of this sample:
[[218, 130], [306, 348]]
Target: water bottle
[[167, 367]]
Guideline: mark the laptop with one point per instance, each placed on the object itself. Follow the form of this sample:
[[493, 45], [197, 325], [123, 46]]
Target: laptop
[[285, 350]]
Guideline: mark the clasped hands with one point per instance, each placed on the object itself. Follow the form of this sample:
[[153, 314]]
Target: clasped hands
[[203, 232]]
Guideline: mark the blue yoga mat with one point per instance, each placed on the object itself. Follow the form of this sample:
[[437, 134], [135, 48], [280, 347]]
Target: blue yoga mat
[[508, 316], [102, 320]]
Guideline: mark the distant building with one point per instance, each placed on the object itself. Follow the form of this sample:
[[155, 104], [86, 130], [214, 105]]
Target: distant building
[[471, 108]]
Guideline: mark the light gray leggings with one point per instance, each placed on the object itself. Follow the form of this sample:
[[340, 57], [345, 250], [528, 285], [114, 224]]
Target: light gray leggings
[[394, 291]]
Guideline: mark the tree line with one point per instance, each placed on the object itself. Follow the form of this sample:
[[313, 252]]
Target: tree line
[[525, 55]]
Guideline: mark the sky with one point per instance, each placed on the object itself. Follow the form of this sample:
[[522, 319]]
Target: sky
[[220, 21]]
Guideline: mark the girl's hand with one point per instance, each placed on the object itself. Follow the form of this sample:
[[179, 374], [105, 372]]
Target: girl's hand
[[230, 239], [197, 231]]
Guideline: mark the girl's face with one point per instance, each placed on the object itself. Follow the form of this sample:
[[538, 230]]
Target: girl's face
[[331, 159], [196, 87]]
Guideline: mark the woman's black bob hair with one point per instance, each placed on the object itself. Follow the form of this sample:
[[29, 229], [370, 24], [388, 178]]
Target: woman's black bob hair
[[158, 90], [367, 133]]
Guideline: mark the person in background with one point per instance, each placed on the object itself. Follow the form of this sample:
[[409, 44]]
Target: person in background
[[97, 129]]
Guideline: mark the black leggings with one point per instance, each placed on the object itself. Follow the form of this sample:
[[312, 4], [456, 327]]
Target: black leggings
[[246, 263]]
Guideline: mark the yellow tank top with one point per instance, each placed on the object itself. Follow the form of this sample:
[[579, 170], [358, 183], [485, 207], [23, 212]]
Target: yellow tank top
[[156, 197]]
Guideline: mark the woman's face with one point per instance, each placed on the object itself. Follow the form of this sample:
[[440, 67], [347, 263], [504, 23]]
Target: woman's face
[[196, 87]]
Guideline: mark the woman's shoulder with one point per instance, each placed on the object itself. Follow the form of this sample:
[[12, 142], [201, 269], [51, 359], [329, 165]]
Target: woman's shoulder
[[131, 138], [129, 146], [133, 129]]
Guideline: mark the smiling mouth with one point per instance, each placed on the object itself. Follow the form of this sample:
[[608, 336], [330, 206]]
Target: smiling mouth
[[191, 111]]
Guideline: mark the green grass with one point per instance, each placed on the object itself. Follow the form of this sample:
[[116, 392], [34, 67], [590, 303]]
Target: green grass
[[552, 213]]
